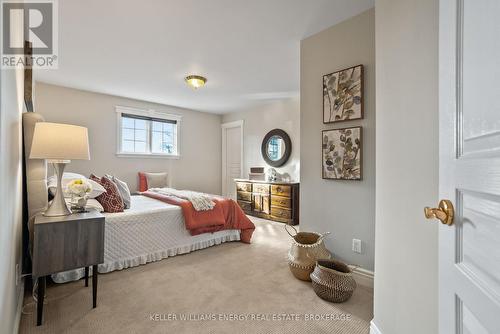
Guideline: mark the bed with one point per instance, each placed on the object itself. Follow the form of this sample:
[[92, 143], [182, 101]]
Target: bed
[[151, 230]]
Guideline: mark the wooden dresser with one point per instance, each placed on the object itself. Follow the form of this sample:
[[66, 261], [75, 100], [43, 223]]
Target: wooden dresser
[[276, 201]]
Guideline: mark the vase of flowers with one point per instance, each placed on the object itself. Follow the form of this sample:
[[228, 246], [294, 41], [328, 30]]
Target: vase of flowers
[[79, 190]]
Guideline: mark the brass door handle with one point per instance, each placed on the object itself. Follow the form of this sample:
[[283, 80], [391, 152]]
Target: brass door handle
[[445, 212]]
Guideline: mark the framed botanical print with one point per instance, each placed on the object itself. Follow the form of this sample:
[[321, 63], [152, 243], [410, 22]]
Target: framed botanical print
[[341, 154], [343, 95]]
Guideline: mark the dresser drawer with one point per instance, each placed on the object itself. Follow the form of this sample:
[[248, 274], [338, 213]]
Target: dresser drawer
[[284, 202], [281, 213], [245, 206], [281, 190], [243, 186], [244, 196], [261, 188], [260, 203]]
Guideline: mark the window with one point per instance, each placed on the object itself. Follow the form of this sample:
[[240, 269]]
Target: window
[[146, 132]]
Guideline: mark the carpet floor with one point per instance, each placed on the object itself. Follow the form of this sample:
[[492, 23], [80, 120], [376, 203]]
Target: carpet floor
[[230, 288]]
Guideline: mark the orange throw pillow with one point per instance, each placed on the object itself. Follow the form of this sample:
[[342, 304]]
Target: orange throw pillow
[[143, 182]]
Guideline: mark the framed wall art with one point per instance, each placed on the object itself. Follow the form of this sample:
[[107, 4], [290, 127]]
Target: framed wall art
[[343, 95], [341, 154]]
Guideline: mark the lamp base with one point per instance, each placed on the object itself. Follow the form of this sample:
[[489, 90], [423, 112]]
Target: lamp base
[[58, 206]]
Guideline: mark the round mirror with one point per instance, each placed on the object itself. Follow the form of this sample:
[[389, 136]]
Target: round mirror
[[276, 147]]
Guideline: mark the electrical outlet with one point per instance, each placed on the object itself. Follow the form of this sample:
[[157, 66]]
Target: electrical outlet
[[356, 246], [18, 275]]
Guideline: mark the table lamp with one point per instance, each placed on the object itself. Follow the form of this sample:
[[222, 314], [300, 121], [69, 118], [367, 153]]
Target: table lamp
[[59, 144]]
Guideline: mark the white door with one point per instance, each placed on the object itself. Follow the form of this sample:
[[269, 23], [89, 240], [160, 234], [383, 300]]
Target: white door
[[232, 154], [469, 250]]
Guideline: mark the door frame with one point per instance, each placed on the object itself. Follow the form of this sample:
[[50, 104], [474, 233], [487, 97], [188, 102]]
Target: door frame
[[224, 128]]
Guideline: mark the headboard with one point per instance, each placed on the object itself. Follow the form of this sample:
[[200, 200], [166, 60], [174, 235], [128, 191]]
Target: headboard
[[36, 171]]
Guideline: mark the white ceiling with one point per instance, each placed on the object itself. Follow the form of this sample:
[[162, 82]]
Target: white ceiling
[[248, 49]]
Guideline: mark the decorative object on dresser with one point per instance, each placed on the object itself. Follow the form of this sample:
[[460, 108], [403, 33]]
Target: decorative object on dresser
[[272, 175], [59, 143], [257, 173], [276, 148], [343, 95], [306, 248], [342, 154], [66, 243], [278, 201]]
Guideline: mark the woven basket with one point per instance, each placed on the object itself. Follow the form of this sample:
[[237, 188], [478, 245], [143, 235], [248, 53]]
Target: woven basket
[[306, 249], [332, 281]]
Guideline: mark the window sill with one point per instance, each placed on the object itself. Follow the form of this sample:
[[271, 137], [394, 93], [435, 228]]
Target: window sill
[[148, 155]]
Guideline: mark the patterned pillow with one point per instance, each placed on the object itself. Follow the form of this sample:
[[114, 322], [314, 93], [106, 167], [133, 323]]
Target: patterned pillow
[[122, 189], [111, 200]]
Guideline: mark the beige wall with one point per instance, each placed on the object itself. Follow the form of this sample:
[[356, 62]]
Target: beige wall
[[197, 169], [11, 107], [258, 121], [345, 208], [406, 255]]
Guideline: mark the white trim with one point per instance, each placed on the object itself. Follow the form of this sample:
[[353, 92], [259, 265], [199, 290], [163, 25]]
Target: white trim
[[232, 124], [224, 127], [374, 329], [362, 276], [148, 113], [19, 310], [148, 155]]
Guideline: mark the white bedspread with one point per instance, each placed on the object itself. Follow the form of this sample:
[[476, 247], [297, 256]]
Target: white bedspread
[[149, 231]]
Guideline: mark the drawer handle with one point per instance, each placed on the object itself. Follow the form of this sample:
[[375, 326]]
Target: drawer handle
[[278, 189]]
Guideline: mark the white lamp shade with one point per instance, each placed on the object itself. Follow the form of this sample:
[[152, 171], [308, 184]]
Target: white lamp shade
[[56, 141]]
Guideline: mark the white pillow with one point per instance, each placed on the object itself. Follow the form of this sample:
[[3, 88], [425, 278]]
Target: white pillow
[[97, 189], [156, 180], [93, 204]]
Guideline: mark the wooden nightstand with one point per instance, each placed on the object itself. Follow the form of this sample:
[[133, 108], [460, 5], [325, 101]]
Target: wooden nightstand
[[66, 243]]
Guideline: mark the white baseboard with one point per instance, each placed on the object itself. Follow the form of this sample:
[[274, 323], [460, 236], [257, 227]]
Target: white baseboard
[[374, 329], [19, 311], [363, 277]]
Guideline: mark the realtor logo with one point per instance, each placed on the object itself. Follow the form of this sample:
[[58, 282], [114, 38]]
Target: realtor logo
[[34, 21]]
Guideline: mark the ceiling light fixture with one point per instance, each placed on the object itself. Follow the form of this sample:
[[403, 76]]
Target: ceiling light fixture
[[195, 81]]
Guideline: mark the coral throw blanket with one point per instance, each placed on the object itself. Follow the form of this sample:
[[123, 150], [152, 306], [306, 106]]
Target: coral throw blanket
[[226, 215]]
